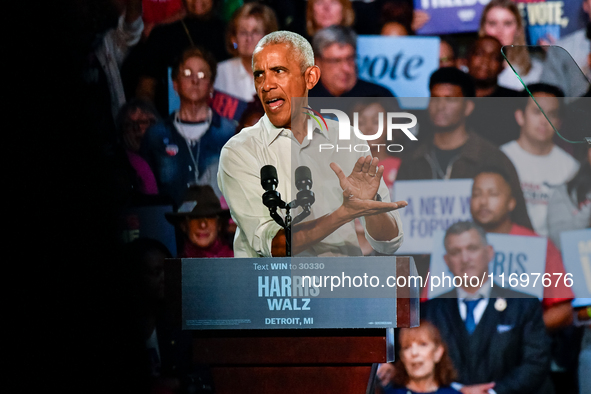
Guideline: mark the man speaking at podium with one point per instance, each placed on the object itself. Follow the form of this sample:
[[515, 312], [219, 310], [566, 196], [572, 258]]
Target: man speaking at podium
[[283, 69]]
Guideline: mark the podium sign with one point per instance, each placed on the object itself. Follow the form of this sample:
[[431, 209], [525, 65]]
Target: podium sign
[[290, 293]]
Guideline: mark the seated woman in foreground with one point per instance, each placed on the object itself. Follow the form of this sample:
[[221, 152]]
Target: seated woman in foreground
[[423, 365]]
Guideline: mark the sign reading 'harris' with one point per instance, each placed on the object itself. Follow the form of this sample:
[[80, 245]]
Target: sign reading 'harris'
[[519, 264], [286, 293]]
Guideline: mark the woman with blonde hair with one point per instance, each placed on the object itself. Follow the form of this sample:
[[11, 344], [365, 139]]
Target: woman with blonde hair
[[501, 19], [325, 13], [248, 25]]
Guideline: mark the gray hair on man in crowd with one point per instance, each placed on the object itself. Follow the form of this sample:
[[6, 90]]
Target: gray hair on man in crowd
[[301, 46], [461, 227], [333, 35]]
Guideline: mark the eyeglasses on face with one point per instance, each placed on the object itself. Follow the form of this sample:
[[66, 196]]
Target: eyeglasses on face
[[187, 73], [250, 34]]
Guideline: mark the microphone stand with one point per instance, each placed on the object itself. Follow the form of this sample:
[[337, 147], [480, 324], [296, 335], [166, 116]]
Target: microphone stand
[[272, 200], [287, 231], [304, 214]]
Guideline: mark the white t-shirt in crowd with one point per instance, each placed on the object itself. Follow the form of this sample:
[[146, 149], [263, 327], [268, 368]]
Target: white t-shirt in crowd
[[509, 80], [539, 175], [233, 79]]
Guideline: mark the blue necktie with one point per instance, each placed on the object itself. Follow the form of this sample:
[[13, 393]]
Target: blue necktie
[[470, 323]]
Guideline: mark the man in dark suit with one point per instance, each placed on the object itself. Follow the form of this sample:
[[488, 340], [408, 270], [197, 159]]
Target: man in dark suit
[[496, 336]]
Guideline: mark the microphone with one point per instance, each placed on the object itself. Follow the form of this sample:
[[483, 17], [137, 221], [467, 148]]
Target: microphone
[[303, 178], [269, 177], [272, 200], [303, 182], [269, 182], [305, 197]]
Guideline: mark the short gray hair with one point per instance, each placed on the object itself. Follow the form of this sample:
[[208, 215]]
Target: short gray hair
[[301, 46], [333, 35], [463, 226]]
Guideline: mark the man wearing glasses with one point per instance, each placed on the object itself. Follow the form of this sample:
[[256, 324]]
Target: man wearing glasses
[[335, 51]]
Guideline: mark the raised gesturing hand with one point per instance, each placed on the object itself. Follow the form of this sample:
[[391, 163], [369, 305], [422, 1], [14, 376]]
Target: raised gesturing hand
[[364, 180], [361, 186]]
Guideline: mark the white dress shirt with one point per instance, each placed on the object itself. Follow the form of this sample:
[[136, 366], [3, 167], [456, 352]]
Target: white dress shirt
[[483, 292], [239, 180]]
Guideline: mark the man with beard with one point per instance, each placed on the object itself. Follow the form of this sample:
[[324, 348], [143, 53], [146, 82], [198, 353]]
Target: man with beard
[[451, 151], [491, 205]]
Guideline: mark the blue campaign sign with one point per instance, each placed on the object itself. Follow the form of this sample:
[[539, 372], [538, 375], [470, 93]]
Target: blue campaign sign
[[174, 101], [519, 264], [432, 205], [273, 293], [450, 16], [402, 64], [549, 19], [576, 256]]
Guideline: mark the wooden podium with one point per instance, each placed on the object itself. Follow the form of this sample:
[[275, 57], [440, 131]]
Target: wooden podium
[[296, 360]]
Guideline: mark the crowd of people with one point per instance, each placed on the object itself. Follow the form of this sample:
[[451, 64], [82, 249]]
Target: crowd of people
[[480, 124]]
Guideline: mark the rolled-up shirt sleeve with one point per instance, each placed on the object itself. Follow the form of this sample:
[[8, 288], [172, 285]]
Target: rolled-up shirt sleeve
[[239, 182], [391, 246]]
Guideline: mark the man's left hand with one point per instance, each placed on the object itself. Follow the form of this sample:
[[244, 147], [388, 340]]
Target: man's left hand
[[364, 180]]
